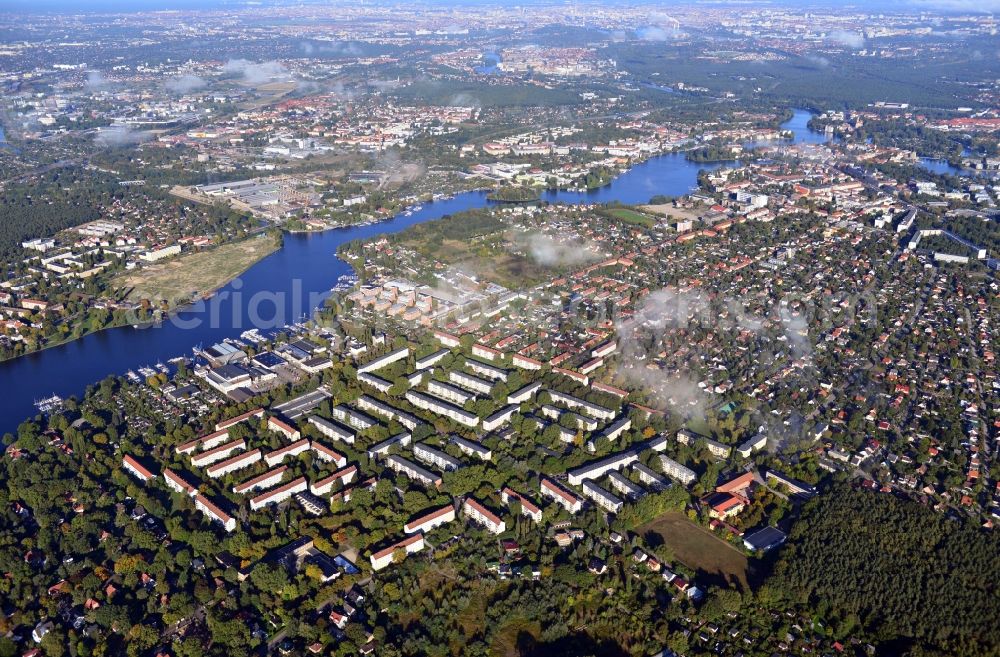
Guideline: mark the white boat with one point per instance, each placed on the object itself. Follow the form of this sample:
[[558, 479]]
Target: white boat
[[49, 404]]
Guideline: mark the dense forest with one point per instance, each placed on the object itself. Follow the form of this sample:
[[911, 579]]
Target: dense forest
[[834, 80], [914, 579], [515, 194], [61, 199]]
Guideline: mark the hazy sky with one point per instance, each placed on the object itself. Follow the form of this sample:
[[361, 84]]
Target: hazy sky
[[148, 5]]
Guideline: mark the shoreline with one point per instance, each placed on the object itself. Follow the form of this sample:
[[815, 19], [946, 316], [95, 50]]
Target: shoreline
[[170, 312], [173, 311]]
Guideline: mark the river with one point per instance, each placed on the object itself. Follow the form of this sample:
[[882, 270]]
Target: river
[[941, 167], [490, 65], [290, 279]]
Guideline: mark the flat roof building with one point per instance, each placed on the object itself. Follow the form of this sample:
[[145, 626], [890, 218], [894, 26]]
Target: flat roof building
[[675, 470], [597, 469], [474, 383], [500, 418], [388, 412], [442, 407], [354, 419], [593, 410], [383, 361], [412, 470], [376, 382], [489, 371], [602, 497], [436, 457], [649, 477], [764, 539], [449, 392], [472, 448], [524, 394], [432, 360], [625, 486], [333, 431], [382, 448]]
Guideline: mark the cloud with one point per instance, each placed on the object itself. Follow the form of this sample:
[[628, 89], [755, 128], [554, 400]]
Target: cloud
[[384, 85], [307, 87], [640, 340], [822, 62], [669, 390], [667, 309], [329, 48], [116, 136], [96, 81], [659, 27], [663, 314], [652, 33], [453, 29], [853, 40], [464, 100], [971, 6], [796, 332], [551, 252], [186, 83], [254, 73], [339, 91]]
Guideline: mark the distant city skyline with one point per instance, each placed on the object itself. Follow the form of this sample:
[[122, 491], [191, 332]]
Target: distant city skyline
[[129, 6]]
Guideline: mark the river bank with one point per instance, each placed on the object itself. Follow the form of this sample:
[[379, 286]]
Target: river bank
[[295, 279], [198, 275]]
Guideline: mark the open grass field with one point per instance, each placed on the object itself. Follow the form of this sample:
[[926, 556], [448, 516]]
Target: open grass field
[[631, 217], [195, 275], [490, 262], [697, 548], [677, 214], [515, 638]]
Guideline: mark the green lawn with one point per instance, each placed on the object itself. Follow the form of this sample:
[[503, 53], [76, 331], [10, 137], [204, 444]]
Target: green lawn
[[699, 549], [631, 217]]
